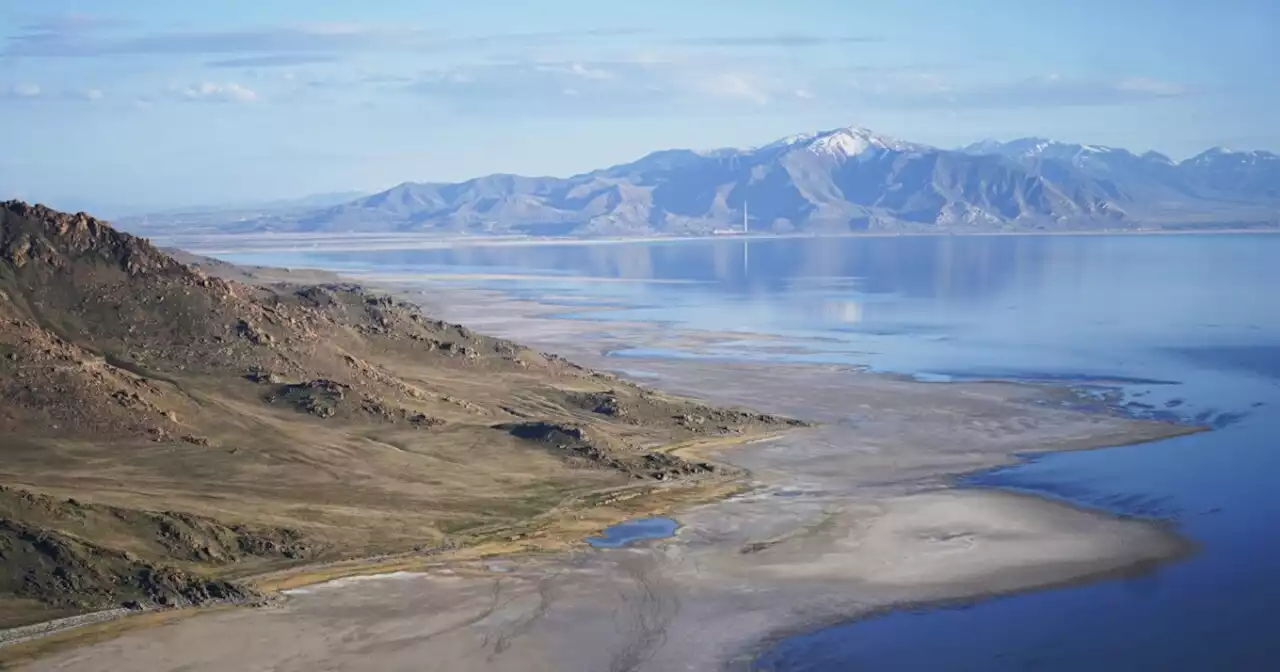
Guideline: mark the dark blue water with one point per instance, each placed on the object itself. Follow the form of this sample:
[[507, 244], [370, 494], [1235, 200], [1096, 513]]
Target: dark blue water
[[1178, 326], [622, 534]]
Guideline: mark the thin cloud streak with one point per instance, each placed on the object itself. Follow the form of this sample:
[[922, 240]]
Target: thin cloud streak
[[270, 44], [70, 23], [25, 91], [646, 87], [273, 61], [214, 92], [1047, 91], [85, 36], [788, 40], [275, 40]]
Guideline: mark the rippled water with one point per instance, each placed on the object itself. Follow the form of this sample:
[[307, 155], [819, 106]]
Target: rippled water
[[1179, 326]]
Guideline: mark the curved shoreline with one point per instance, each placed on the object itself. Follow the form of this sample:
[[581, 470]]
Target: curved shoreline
[[718, 562], [662, 499], [305, 242], [748, 658], [930, 466]]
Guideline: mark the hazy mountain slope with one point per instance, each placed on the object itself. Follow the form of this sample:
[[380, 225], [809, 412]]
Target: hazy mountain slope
[[213, 217], [842, 180], [161, 429], [1216, 176], [847, 179], [1232, 175]]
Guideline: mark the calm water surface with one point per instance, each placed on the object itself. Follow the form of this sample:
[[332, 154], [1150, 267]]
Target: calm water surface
[[1182, 326], [631, 531]]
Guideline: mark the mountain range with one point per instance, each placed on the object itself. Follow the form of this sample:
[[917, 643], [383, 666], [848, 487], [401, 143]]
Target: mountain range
[[836, 181]]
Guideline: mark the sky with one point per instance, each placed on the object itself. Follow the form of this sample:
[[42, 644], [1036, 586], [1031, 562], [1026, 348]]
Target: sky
[[129, 105]]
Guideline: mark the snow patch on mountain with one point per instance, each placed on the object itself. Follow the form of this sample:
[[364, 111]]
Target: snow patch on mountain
[[843, 143]]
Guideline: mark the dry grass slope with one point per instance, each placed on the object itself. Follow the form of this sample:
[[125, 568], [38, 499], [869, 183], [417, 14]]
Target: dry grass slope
[[164, 431]]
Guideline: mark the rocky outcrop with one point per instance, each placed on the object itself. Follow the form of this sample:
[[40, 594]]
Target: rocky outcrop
[[576, 445], [63, 571], [46, 555], [212, 428], [36, 234]]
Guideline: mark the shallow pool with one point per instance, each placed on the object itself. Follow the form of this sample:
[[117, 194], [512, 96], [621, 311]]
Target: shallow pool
[[617, 536]]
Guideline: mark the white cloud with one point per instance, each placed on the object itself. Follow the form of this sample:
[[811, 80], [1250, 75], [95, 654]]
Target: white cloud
[[74, 22], [925, 89], [215, 92], [649, 57], [1143, 85], [739, 87], [576, 69], [25, 91], [626, 83], [94, 94], [618, 84], [900, 82], [80, 37], [344, 28], [589, 73]]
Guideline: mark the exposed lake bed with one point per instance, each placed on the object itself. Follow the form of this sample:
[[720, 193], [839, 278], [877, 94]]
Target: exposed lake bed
[[845, 520], [874, 527]]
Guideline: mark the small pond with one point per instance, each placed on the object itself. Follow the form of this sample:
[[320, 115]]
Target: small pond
[[617, 536]]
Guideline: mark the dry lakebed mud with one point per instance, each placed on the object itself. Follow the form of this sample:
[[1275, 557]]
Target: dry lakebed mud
[[850, 517]]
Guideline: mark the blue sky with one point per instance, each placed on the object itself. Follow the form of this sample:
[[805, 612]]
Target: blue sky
[[137, 104]]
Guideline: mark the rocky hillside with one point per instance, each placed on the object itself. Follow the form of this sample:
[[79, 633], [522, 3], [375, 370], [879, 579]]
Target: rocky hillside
[[164, 429], [846, 179], [1217, 180]]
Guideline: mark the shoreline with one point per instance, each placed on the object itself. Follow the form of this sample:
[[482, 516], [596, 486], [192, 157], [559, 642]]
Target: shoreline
[[557, 534], [286, 585], [943, 480], [1186, 546], [251, 243], [746, 660], [560, 530]]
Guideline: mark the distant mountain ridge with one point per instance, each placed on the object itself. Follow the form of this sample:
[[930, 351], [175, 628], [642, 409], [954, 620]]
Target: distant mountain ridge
[[840, 180], [1217, 174]]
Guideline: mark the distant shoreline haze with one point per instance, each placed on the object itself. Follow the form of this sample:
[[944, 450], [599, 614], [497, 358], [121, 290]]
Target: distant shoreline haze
[[845, 180]]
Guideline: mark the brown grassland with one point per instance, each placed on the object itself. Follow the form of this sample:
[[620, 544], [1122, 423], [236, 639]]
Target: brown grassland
[[166, 434]]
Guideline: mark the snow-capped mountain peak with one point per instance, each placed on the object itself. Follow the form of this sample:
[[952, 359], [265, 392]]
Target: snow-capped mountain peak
[[1095, 149], [843, 179], [1211, 155], [1220, 155], [847, 142], [843, 142], [792, 140], [1022, 147], [1031, 147]]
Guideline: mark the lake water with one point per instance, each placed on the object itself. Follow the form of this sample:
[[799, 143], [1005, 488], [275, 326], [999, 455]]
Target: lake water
[[1183, 326], [631, 531]]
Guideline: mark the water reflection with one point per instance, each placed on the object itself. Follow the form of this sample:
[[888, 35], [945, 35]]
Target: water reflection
[[1079, 306], [1188, 325], [849, 312], [628, 532], [934, 266]]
